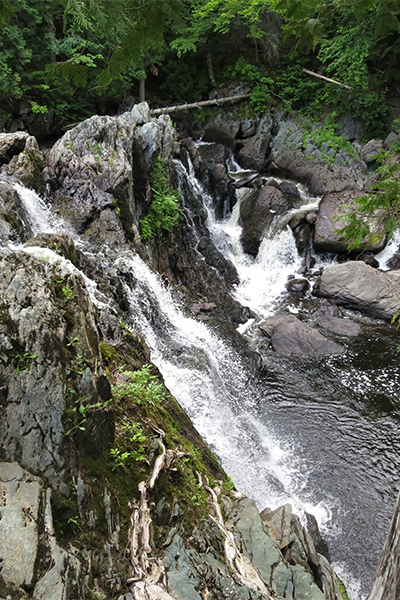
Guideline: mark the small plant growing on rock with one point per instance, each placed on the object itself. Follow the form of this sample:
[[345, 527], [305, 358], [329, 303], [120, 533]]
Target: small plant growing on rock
[[129, 448], [140, 386], [163, 214], [23, 361]]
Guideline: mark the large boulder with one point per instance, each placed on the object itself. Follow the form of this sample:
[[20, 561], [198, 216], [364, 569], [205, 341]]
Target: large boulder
[[357, 285], [253, 152], [11, 144], [257, 211], [21, 159], [291, 336], [322, 169], [91, 168], [331, 208]]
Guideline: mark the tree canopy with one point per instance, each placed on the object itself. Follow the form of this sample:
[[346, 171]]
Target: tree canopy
[[74, 55]]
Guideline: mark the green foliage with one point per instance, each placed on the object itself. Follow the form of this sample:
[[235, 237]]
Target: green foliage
[[328, 142], [385, 203], [23, 361], [342, 589], [139, 386], [130, 444], [163, 213], [38, 109]]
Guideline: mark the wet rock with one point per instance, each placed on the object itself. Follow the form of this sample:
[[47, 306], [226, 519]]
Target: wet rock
[[292, 337], [243, 178], [25, 166], [302, 235], [189, 145], [12, 215], [369, 260], [211, 154], [340, 326], [289, 189], [311, 218], [298, 286], [253, 152], [331, 207], [296, 220], [257, 212], [359, 286], [394, 261], [321, 546], [224, 197]]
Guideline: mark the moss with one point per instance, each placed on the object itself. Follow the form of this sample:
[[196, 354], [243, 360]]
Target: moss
[[65, 515], [110, 355]]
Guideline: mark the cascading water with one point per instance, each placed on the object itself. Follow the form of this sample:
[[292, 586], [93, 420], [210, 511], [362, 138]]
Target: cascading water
[[321, 435]]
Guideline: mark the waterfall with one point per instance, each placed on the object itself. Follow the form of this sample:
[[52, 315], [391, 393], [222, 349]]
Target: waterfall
[[312, 434]]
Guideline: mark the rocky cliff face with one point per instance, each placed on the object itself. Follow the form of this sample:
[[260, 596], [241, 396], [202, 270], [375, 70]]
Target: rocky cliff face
[[106, 488]]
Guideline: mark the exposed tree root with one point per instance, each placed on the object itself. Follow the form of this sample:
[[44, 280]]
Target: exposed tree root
[[148, 576], [240, 567]]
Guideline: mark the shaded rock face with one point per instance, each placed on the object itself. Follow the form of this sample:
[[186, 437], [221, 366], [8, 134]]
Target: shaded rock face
[[34, 325], [91, 168], [21, 159], [291, 336], [257, 212], [362, 287], [310, 165], [330, 208], [12, 214]]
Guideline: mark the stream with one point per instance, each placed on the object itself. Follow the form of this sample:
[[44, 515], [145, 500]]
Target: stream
[[320, 433]]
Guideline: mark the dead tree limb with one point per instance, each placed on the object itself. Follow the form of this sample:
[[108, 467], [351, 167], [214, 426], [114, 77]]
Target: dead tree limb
[[326, 78], [215, 102]]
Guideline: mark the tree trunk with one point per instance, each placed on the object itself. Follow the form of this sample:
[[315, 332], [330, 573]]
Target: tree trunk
[[142, 84], [209, 65]]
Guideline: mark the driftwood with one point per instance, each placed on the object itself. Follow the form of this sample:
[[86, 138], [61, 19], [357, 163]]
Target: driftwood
[[216, 102], [326, 78]]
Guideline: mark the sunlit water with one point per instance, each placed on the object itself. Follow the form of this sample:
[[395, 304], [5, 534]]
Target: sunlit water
[[321, 434]]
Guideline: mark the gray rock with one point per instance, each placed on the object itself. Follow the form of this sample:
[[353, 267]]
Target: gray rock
[[292, 337], [370, 150], [302, 235], [359, 286], [263, 551], [20, 496], [257, 212], [277, 523], [11, 144], [298, 286], [391, 139], [31, 430], [253, 153], [340, 326], [330, 208], [308, 165]]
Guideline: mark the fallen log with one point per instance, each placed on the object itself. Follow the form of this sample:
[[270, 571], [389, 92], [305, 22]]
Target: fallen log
[[215, 102], [326, 78]]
